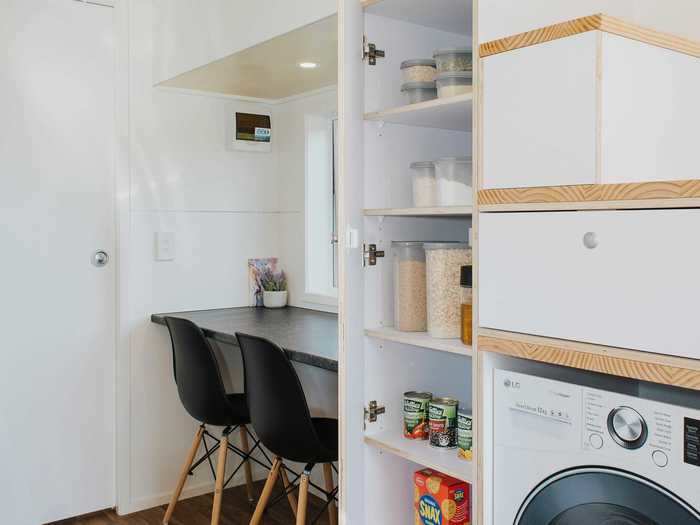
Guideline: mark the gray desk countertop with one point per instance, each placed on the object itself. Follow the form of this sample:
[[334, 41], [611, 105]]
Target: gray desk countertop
[[308, 336]]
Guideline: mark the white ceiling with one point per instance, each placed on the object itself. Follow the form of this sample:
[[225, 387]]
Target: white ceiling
[[270, 70]]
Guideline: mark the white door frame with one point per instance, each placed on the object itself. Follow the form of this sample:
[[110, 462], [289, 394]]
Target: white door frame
[[122, 206]]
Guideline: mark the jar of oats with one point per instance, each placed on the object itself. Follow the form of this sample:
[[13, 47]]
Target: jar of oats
[[444, 261], [410, 314]]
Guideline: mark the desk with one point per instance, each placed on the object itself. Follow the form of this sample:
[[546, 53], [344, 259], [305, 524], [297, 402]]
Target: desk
[[308, 336]]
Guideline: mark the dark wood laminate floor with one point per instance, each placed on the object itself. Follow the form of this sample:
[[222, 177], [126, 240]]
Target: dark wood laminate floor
[[197, 511]]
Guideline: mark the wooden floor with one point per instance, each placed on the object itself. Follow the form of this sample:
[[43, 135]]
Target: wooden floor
[[197, 511]]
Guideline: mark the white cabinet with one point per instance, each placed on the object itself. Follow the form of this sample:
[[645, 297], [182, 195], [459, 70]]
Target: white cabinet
[[539, 114], [379, 137], [594, 107], [619, 278]]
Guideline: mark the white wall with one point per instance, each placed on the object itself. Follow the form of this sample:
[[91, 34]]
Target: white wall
[[190, 34], [224, 207], [291, 149], [500, 18]]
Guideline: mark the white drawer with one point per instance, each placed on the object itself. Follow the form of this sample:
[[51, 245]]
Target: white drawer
[[638, 288]]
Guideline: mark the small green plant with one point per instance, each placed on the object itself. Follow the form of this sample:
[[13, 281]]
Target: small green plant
[[273, 282]]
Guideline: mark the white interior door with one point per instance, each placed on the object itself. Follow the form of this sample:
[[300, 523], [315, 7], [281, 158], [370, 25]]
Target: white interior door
[[57, 309]]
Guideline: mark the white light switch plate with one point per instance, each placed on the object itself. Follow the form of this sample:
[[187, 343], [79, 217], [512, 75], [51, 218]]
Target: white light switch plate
[[165, 246]]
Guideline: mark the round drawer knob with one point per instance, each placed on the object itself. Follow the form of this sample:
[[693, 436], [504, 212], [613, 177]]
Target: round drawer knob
[[590, 240], [627, 427]]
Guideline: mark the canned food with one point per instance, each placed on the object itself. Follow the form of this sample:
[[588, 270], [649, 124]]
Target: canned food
[[465, 434], [415, 414], [442, 422]]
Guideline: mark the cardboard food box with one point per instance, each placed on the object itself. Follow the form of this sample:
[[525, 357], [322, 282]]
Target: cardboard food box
[[440, 499]]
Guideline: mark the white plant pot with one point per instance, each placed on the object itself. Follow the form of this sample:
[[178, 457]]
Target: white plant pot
[[275, 299]]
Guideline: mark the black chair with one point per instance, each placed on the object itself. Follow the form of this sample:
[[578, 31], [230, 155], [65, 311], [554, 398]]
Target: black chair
[[202, 392], [281, 418]]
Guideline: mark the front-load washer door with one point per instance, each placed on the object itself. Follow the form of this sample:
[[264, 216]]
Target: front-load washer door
[[603, 496]]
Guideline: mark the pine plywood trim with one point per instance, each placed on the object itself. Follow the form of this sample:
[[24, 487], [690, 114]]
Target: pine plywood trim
[[595, 22], [656, 368], [543, 34], [680, 189]]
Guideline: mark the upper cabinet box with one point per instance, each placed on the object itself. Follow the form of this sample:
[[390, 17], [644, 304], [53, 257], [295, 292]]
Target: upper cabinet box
[[590, 101]]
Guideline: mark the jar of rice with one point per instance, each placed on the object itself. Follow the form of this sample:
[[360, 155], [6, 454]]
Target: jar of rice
[[444, 261], [409, 286]]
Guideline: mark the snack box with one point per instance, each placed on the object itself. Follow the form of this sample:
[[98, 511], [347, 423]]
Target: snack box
[[440, 499]]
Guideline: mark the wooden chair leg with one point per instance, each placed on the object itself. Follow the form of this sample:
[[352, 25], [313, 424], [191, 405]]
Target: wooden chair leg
[[328, 478], [303, 497], [220, 478], [245, 447], [267, 490], [183, 474], [290, 494]]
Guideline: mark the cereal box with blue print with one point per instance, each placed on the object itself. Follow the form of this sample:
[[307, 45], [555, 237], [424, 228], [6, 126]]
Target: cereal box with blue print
[[440, 499]]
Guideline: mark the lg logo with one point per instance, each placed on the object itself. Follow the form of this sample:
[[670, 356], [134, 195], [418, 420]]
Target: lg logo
[[511, 384]]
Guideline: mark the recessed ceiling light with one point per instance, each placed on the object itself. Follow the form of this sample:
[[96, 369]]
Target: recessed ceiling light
[[308, 65]]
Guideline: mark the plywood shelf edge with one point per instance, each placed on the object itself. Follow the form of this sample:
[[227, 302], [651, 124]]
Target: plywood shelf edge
[[420, 339], [655, 194], [596, 22], [621, 362], [441, 211], [442, 113], [420, 452]]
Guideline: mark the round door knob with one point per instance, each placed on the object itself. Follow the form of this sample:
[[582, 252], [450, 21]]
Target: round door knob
[[627, 427], [590, 240], [100, 258]]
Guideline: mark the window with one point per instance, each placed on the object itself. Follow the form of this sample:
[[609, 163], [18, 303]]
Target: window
[[321, 222]]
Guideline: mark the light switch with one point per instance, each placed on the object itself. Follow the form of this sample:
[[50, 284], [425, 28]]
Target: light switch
[[165, 246]]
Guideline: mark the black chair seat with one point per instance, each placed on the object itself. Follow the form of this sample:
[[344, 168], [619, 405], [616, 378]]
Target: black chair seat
[[327, 432]]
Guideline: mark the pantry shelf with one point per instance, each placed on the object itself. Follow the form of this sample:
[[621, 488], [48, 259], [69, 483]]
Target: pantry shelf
[[418, 451], [453, 113], [453, 16], [420, 339], [442, 211]]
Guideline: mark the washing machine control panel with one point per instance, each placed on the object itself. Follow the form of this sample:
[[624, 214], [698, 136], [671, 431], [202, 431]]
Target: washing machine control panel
[[614, 421]]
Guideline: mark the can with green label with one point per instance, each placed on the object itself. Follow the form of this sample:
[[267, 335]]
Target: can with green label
[[442, 422], [415, 414], [465, 434]]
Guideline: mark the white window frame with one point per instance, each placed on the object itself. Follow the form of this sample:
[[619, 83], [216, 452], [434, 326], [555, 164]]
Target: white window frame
[[313, 294]]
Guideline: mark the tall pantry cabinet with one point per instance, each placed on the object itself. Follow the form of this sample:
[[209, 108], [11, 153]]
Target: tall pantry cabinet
[[380, 135]]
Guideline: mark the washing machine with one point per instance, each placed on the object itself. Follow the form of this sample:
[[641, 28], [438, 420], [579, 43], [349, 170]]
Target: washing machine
[[566, 454]]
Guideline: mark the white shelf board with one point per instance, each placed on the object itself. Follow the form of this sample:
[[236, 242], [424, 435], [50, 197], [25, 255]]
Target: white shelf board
[[420, 339], [453, 113], [419, 451], [442, 211], [453, 16]]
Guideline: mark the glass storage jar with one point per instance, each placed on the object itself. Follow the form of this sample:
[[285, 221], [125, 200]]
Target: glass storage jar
[[454, 83], [424, 184], [418, 70], [444, 261], [410, 311], [455, 59], [419, 91], [454, 181]]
